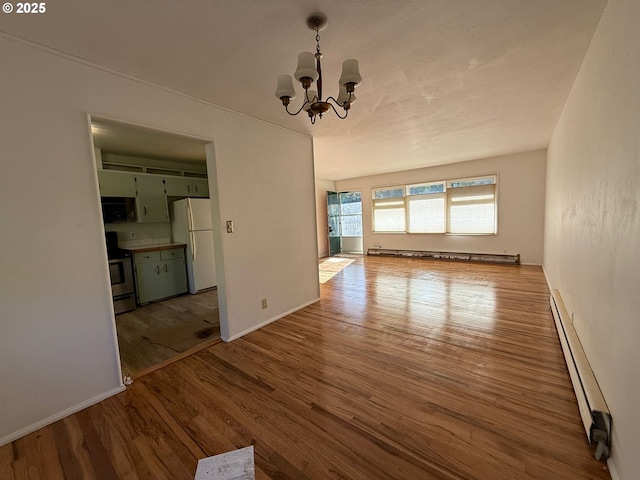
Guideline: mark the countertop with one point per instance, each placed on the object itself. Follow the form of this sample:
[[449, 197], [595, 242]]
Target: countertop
[[154, 248]]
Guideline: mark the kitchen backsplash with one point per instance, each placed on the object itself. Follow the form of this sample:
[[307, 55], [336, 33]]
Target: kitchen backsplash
[[138, 234], [148, 241]]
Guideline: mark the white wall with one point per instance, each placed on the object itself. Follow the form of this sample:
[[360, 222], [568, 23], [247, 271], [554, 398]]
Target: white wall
[[272, 253], [57, 336], [521, 179], [592, 246], [351, 245], [322, 187]]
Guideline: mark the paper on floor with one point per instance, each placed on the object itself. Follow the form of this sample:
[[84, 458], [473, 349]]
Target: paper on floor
[[234, 465]]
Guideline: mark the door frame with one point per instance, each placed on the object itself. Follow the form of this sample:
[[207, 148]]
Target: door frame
[[334, 241]]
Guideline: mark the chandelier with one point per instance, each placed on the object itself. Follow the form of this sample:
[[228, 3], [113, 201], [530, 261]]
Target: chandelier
[[309, 70]]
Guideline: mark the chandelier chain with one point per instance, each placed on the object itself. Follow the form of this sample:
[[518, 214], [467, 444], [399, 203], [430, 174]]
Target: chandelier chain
[[317, 40]]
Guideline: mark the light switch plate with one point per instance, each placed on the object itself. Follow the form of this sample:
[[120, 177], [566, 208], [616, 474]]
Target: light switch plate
[[229, 226]]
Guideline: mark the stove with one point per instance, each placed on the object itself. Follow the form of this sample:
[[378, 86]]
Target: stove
[[123, 288]]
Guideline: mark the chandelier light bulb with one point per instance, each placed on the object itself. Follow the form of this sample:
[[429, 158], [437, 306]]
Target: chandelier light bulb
[[350, 73], [306, 67], [285, 87], [344, 97]]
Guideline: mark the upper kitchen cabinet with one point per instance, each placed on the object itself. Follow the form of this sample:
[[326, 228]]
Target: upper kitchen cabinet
[[114, 183], [151, 199], [200, 187], [186, 187]]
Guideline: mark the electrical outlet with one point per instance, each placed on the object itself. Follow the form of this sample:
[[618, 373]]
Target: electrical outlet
[[229, 226], [264, 303], [132, 235]]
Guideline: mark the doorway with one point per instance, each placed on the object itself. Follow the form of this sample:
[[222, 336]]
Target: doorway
[[344, 211], [165, 323]]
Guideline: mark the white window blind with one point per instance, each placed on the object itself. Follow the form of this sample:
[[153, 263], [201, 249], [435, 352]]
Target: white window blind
[[472, 210], [388, 215], [427, 213]]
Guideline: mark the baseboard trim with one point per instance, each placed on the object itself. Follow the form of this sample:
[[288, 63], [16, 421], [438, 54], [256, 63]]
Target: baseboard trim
[[611, 466], [497, 258], [267, 322], [60, 415]]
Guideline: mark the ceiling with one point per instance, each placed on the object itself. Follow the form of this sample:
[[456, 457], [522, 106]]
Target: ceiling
[[443, 80], [117, 137]]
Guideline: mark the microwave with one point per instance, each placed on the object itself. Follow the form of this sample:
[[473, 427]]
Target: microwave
[[117, 209]]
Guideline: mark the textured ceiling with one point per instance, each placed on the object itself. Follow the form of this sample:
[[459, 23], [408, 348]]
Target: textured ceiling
[[444, 80]]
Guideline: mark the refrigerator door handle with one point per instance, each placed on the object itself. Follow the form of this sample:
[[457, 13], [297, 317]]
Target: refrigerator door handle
[[193, 245], [190, 212]]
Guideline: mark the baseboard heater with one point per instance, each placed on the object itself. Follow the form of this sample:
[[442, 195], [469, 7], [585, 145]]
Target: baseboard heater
[[469, 257], [593, 409]]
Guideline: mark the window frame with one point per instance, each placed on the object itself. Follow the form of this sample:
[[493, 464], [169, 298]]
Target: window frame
[[488, 182]]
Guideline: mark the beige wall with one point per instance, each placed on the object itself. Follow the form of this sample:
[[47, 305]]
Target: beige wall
[[57, 332], [521, 179], [592, 246]]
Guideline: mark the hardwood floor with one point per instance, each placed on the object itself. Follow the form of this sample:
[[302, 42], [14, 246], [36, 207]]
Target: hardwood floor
[[406, 369], [139, 354]]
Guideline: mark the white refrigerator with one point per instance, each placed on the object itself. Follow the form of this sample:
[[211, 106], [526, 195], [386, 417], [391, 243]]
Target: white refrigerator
[[192, 225]]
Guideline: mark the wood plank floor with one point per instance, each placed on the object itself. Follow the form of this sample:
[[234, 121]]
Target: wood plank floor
[[406, 369], [137, 352]]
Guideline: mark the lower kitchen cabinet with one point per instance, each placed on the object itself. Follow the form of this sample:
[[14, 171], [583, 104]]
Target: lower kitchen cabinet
[[160, 274]]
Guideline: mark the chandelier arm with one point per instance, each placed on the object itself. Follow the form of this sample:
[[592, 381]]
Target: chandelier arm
[[286, 107], [346, 112]]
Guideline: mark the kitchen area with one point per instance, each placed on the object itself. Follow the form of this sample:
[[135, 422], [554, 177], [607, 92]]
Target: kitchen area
[[154, 195]]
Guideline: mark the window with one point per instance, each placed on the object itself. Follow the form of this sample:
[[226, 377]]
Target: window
[[461, 206], [388, 193], [472, 206], [425, 188], [389, 210], [427, 208]]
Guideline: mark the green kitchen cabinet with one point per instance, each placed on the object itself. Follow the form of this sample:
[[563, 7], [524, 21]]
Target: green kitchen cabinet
[[177, 186], [200, 187], [151, 199], [114, 183], [186, 187], [149, 282], [160, 274], [175, 273]]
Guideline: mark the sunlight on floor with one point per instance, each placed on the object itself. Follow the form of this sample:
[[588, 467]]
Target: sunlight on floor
[[332, 266]]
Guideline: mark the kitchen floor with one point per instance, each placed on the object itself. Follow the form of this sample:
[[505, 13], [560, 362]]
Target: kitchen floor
[[156, 333]]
